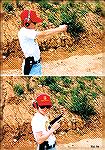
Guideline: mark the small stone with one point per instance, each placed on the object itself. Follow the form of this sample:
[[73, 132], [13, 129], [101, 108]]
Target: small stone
[[15, 140], [4, 57], [62, 133], [40, 85]]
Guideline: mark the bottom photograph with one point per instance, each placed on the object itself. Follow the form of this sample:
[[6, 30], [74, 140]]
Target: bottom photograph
[[51, 112]]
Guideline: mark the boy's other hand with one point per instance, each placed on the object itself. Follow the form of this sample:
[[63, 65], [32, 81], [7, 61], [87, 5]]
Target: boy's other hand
[[55, 126]]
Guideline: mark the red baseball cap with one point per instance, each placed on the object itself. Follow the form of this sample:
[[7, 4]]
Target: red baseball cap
[[30, 14], [44, 100]]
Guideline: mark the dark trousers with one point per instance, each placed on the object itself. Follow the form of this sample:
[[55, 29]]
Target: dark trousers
[[45, 146]]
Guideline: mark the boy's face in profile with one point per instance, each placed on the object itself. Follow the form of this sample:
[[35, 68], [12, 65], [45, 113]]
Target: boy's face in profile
[[33, 25]]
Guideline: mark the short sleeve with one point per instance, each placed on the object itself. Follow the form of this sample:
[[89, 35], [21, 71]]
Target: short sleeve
[[31, 33], [36, 125]]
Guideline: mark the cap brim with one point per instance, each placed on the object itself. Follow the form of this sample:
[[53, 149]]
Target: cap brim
[[45, 105], [37, 20]]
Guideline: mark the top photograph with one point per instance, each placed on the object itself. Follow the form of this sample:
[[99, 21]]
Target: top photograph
[[52, 38]]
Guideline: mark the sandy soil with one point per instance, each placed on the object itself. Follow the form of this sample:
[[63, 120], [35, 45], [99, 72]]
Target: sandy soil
[[72, 66], [83, 144], [76, 65]]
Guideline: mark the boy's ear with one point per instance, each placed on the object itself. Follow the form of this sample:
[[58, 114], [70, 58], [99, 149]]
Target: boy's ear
[[34, 104], [27, 24]]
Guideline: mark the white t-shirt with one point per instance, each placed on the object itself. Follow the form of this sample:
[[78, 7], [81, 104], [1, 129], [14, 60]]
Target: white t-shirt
[[40, 123], [27, 43]]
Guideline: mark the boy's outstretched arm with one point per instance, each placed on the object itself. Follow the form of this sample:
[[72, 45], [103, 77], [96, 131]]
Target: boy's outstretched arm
[[59, 29]]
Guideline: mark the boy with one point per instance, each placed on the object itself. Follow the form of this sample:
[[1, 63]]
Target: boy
[[43, 136], [27, 34]]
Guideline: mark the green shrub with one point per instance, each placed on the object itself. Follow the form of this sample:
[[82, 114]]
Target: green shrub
[[99, 10], [90, 78], [76, 94], [66, 81], [56, 88], [81, 84], [94, 95], [54, 10], [8, 6], [47, 80], [18, 89], [44, 24], [74, 27], [44, 4], [83, 12], [71, 3], [61, 100], [56, 2], [63, 8], [75, 91], [51, 18], [81, 106]]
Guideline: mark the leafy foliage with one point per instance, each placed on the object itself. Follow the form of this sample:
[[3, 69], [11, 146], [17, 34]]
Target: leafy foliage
[[77, 94], [61, 100], [71, 13], [8, 6], [55, 87], [47, 80], [18, 89], [44, 4], [94, 95], [51, 18], [83, 12], [67, 13], [80, 105], [99, 10], [81, 84], [71, 3], [90, 78], [66, 81], [56, 2], [44, 24], [74, 27], [19, 5]]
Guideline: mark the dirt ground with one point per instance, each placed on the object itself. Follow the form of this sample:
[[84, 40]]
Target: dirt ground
[[71, 140], [84, 144], [61, 62]]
